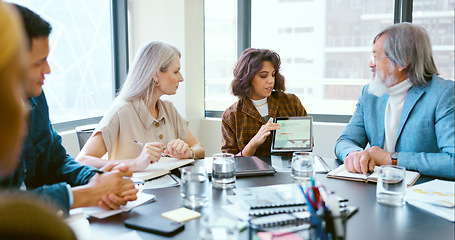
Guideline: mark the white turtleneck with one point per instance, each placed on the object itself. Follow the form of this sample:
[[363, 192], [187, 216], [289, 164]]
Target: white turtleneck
[[397, 95], [262, 106]]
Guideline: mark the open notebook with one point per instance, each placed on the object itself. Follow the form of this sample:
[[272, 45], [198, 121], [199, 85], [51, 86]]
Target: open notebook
[[342, 173], [160, 168]]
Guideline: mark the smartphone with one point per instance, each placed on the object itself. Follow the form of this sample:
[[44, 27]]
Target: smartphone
[[155, 224]]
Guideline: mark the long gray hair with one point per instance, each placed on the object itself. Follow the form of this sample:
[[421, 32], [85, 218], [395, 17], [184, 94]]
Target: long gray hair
[[409, 45], [151, 58]]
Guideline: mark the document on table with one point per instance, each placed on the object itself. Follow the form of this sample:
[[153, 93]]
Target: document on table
[[280, 165], [167, 180], [436, 196], [100, 213]]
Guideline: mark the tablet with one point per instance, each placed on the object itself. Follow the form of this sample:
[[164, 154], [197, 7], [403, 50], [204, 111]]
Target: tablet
[[245, 166], [295, 135]]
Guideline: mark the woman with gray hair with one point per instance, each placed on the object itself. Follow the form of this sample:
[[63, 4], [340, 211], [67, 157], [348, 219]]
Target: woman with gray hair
[[140, 127]]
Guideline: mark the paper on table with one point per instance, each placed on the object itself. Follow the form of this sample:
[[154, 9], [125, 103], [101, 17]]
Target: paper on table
[[280, 165], [444, 212], [162, 182], [100, 213], [436, 192], [160, 168], [436, 196]]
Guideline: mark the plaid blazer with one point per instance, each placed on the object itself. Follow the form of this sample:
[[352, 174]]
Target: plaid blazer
[[242, 121]]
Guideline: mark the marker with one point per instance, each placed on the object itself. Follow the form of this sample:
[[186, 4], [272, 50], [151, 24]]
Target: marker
[[162, 153], [135, 180]]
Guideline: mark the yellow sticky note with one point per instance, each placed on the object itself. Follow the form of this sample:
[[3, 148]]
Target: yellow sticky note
[[181, 214]]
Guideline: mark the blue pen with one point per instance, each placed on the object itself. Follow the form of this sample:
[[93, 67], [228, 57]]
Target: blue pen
[[314, 218]]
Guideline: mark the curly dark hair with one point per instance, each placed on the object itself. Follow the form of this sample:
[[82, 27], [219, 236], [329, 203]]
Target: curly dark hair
[[248, 65]]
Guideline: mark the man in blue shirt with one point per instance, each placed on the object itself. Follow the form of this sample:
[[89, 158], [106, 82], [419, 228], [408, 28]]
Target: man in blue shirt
[[44, 166], [406, 113]]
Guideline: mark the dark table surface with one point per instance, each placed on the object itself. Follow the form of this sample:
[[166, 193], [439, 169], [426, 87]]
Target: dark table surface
[[372, 220]]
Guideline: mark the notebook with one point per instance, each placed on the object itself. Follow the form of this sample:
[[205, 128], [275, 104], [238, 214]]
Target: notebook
[[295, 135], [160, 168], [342, 173], [282, 198], [245, 166]]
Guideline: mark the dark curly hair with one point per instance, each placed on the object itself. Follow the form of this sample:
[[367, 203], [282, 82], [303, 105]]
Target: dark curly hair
[[248, 65]]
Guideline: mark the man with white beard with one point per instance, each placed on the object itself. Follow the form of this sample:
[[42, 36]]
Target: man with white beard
[[406, 113]]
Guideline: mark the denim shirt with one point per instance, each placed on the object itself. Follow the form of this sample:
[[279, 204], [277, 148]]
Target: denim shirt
[[44, 166]]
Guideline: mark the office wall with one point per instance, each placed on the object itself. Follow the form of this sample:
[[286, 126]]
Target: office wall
[[181, 23]]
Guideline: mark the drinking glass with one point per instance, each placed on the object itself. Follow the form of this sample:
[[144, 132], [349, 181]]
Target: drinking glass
[[218, 227], [302, 166], [223, 171], [194, 188], [391, 185]]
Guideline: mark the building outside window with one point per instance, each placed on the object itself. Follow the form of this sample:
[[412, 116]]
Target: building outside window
[[81, 82], [325, 46]]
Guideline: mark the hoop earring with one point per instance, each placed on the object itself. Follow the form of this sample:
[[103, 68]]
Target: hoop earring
[[157, 84]]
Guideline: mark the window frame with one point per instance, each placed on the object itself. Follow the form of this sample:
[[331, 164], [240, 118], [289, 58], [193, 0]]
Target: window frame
[[402, 13], [119, 13]]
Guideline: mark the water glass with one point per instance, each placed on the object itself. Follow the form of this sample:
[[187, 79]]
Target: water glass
[[391, 185], [223, 171], [194, 188], [218, 227], [302, 166]]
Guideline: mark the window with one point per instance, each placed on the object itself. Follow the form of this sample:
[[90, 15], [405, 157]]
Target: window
[[220, 52], [81, 82], [325, 47], [437, 16]]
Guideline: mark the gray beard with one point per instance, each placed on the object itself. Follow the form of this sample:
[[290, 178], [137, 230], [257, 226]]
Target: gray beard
[[379, 84], [377, 87]]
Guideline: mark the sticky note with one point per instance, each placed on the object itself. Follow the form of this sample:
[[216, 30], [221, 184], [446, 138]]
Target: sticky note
[[181, 214]]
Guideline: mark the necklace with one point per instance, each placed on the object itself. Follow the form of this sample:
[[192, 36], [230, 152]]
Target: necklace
[[260, 104]]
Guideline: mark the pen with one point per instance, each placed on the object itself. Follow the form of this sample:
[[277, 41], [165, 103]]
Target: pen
[[162, 154], [135, 180]]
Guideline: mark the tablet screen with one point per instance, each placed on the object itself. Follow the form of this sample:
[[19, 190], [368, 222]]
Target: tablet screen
[[295, 134]]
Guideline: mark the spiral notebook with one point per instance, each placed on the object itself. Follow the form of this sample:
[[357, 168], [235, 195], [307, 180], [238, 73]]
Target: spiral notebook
[[282, 198]]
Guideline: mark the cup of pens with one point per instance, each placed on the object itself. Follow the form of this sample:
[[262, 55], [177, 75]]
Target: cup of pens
[[325, 218]]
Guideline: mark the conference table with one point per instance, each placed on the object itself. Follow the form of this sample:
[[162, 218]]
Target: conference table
[[371, 221]]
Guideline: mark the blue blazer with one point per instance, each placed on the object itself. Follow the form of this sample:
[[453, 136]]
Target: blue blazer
[[426, 130], [44, 166]]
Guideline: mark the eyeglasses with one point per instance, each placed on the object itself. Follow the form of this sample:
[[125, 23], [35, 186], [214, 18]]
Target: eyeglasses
[[373, 59]]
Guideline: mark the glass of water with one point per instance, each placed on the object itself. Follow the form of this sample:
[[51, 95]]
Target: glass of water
[[302, 166], [223, 171], [219, 226], [194, 188], [391, 185]]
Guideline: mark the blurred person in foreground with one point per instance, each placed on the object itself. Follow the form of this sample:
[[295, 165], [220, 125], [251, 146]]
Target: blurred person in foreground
[[406, 113], [44, 166], [23, 216]]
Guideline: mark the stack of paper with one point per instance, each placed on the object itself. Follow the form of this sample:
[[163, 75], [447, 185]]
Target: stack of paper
[[437, 197]]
